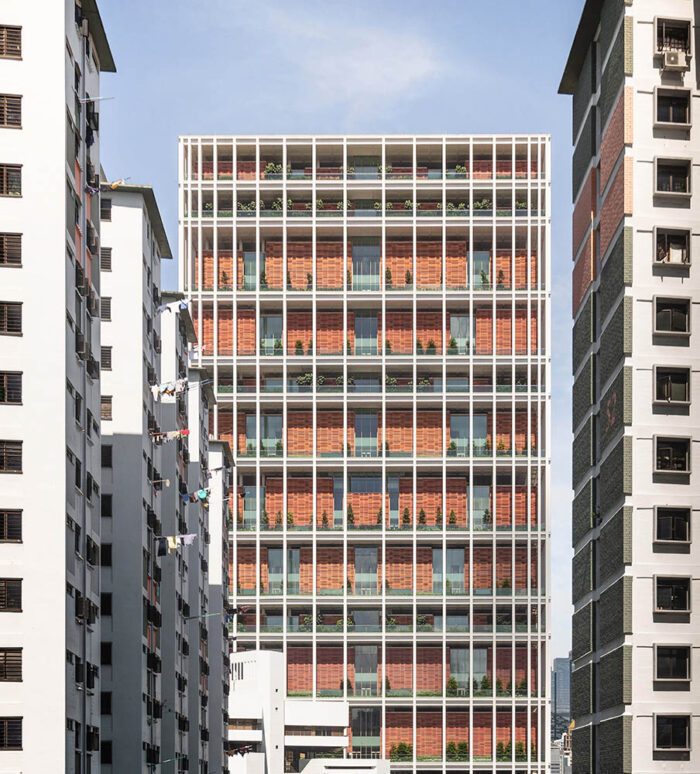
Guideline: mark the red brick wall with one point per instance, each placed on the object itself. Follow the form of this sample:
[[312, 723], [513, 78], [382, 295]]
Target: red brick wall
[[429, 327], [399, 260], [482, 733], [246, 573], [456, 501], [584, 272], [483, 568], [399, 431], [245, 333], [225, 330], [428, 264], [428, 732], [329, 332], [617, 203], [330, 265], [274, 498], [300, 500], [299, 669], [424, 569], [617, 133], [329, 668], [324, 500], [225, 425], [300, 433], [457, 727], [274, 265], [504, 566], [299, 328], [428, 668], [399, 666], [300, 263], [585, 209], [329, 567], [429, 440], [399, 567], [429, 499], [329, 435], [399, 728], [365, 507], [456, 264], [245, 170], [399, 331], [484, 330]]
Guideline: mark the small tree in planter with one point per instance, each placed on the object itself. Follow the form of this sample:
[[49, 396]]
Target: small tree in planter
[[486, 517], [451, 751], [452, 452], [438, 516], [419, 346], [409, 278], [452, 346], [406, 518], [486, 684], [421, 516], [452, 518], [387, 347], [263, 279], [278, 346], [265, 519], [431, 348], [351, 514], [387, 278], [298, 347], [278, 519], [452, 687], [225, 281], [309, 281], [324, 520], [289, 280], [501, 278], [290, 519], [379, 517], [484, 278], [463, 751]]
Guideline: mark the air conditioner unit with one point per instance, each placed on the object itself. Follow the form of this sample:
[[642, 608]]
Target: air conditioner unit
[[675, 61]]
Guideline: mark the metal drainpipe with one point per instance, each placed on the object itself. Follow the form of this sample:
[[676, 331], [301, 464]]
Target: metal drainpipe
[[84, 324]]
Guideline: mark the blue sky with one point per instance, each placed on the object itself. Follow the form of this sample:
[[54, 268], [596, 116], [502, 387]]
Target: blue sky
[[327, 66]]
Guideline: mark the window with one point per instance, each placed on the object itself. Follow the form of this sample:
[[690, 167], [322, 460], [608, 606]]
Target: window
[[672, 595], [106, 554], [10, 111], [673, 525], [672, 316], [78, 407], [672, 662], [105, 209], [10, 249], [10, 733], [672, 35], [672, 732], [106, 456], [673, 176], [106, 653], [10, 456], [672, 455], [672, 385], [106, 258], [11, 595], [672, 246], [106, 407], [106, 358], [105, 752], [106, 506], [106, 603], [673, 107], [10, 526], [10, 318], [10, 42], [105, 308], [10, 387], [10, 180], [11, 665], [105, 703]]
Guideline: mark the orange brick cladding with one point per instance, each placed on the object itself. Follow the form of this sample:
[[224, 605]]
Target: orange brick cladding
[[584, 272], [617, 134], [617, 203], [585, 209]]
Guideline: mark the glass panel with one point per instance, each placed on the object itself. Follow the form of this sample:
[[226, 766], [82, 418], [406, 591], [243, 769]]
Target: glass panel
[[481, 507], [437, 570], [365, 570], [365, 620], [455, 571], [459, 672], [365, 333], [365, 670], [459, 331], [292, 570], [393, 491], [337, 501], [365, 265], [481, 671], [365, 434], [481, 270], [270, 334], [480, 422], [271, 431], [249, 278], [365, 722], [459, 434], [250, 432], [250, 506], [275, 570]]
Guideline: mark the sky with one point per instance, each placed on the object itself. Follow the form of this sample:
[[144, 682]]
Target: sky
[[354, 66]]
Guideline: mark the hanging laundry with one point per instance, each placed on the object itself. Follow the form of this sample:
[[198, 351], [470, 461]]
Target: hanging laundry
[[163, 308], [170, 435], [162, 546], [187, 540], [172, 543]]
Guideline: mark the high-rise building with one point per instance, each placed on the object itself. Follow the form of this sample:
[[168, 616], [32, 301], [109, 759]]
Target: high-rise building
[[374, 311], [561, 697], [633, 79], [133, 244], [52, 55]]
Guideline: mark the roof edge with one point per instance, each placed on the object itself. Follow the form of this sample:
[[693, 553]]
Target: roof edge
[[149, 198], [91, 12], [590, 16]]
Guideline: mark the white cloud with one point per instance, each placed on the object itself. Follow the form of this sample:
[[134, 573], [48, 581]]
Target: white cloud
[[342, 63]]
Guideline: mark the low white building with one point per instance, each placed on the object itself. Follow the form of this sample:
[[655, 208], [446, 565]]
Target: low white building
[[269, 733]]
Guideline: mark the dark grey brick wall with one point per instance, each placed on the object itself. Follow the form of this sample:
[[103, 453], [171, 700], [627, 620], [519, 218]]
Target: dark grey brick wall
[[582, 94], [615, 544], [582, 750], [609, 17], [581, 691], [616, 475], [582, 453], [582, 573], [615, 611], [615, 742], [581, 513], [616, 273], [582, 631], [582, 398], [583, 152], [615, 678], [583, 332], [616, 407], [615, 339]]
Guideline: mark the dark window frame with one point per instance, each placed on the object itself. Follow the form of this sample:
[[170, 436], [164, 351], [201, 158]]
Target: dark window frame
[[672, 747], [670, 446], [5, 588], [664, 239], [674, 95], [668, 512], [11, 533], [10, 41], [664, 27], [11, 388], [8, 450], [10, 111], [661, 651], [664, 381], [677, 583], [106, 357], [10, 318], [11, 181], [10, 249], [10, 730], [105, 208], [106, 308], [672, 306], [105, 259], [11, 665], [106, 408], [668, 167]]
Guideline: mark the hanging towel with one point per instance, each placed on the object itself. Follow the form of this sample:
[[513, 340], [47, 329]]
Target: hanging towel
[[187, 540], [172, 542], [162, 549]]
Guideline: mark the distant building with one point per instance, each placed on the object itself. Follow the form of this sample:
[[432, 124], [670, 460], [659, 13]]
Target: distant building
[[561, 697]]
